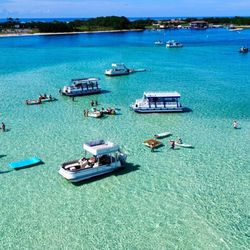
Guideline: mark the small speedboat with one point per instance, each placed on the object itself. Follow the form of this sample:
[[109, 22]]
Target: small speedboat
[[162, 135], [33, 102], [118, 69], [159, 42], [151, 143], [174, 44], [183, 145], [243, 50], [235, 29], [95, 114]]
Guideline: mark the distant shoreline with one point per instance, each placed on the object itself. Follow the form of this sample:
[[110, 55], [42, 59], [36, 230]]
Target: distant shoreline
[[67, 33]]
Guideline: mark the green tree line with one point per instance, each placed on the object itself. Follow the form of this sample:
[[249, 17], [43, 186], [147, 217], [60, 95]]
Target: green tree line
[[92, 24]]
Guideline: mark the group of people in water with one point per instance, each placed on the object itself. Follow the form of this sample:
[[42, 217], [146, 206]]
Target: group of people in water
[[93, 104], [179, 141], [42, 97]]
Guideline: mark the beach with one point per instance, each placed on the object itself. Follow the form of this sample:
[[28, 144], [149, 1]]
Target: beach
[[185, 198], [67, 33]]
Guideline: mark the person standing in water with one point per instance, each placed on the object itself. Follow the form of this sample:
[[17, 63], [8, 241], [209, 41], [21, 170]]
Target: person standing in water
[[3, 127], [172, 144], [235, 124]]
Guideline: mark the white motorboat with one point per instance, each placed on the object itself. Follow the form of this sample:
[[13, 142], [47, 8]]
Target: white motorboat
[[183, 145], [244, 50], [118, 69], [106, 157], [162, 135], [84, 86], [174, 44], [159, 42], [153, 102], [235, 29]]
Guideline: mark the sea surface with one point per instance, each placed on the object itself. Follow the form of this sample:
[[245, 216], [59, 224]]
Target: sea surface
[[168, 199]]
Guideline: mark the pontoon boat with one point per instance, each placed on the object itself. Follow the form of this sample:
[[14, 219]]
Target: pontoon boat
[[84, 86], [106, 157], [153, 102]]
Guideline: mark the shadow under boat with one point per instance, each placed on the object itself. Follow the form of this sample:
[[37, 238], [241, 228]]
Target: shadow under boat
[[127, 168], [5, 172]]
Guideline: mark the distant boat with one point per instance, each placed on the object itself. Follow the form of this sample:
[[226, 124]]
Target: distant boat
[[174, 44], [159, 42], [243, 50], [119, 69], [25, 163], [235, 29], [162, 135]]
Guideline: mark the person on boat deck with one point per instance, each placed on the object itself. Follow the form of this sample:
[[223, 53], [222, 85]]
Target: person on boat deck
[[45, 96], [235, 124], [50, 97], [83, 162], [179, 141], [3, 127]]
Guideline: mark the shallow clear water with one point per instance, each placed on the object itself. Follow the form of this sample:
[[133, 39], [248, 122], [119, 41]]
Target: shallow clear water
[[170, 199]]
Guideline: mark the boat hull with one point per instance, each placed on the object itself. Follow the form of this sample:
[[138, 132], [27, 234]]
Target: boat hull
[[117, 74], [33, 102], [140, 110], [92, 92], [90, 172]]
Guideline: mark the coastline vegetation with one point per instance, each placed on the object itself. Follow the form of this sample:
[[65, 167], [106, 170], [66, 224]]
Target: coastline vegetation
[[92, 24], [15, 26]]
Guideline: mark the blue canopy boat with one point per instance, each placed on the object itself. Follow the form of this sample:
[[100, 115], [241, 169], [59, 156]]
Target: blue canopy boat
[[25, 163]]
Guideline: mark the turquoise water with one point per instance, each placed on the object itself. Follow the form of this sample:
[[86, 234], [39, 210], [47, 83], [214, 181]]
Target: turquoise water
[[170, 199]]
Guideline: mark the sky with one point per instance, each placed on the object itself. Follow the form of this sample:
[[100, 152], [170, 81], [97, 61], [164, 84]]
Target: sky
[[129, 8]]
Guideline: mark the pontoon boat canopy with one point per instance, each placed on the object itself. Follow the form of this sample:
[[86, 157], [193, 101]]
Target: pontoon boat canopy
[[162, 94], [100, 147]]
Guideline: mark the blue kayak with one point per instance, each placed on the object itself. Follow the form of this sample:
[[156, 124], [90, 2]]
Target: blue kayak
[[25, 163]]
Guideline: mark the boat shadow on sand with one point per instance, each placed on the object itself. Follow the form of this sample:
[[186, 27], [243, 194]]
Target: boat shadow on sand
[[128, 167], [5, 172]]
